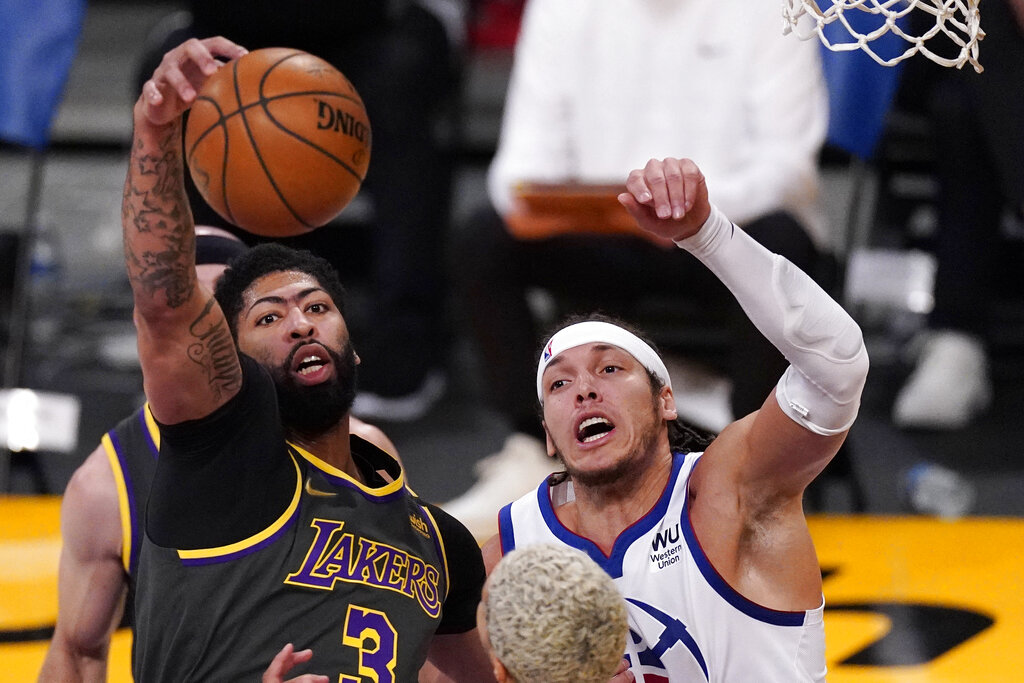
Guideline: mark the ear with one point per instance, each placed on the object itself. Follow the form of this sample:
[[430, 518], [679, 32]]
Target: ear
[[547, 439], [501, 674], [358, 359], [667, 404]]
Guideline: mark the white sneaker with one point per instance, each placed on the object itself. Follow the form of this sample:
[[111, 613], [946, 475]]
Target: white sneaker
[[950, 385], [518, 468]]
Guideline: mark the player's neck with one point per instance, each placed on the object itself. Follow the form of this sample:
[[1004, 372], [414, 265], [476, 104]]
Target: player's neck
[[333, 447], [601, 513]]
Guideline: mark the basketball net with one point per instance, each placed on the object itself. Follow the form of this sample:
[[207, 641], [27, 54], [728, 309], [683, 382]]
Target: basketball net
[[958, 21]]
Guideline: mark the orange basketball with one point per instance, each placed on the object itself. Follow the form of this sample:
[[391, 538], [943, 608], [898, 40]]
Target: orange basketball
[[278, 142]]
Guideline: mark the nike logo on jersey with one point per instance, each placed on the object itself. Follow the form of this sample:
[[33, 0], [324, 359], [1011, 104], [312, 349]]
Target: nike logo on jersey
[[316, 492]]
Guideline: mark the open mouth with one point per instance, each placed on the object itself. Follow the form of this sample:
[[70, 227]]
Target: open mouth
[[309, 360], [592, 429], [309, 364]]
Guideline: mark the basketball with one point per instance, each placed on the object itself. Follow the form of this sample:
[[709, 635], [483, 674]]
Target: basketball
[[278, 142]]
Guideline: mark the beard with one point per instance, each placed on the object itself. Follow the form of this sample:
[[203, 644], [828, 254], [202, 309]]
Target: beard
[[626, 469], [310, 411]]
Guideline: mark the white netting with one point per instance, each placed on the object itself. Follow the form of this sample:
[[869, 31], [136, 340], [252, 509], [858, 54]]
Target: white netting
[[957, 25]]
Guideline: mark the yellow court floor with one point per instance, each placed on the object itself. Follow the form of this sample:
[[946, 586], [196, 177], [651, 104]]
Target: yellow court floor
[[908, 600]]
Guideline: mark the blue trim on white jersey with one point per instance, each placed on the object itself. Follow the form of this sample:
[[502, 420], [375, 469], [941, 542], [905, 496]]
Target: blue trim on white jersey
[[612, 564], [506, 533], [715, 580]]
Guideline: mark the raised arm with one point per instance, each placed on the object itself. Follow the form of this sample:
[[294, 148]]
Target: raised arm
[[91, 580], [776, 452], [188, 357]]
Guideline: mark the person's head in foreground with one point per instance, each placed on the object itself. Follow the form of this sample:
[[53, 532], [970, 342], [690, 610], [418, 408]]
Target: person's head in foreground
[[549, 614], [285, 309], [600, 383]]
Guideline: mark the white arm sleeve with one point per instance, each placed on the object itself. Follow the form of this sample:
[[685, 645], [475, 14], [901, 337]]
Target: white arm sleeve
[[821, 388]]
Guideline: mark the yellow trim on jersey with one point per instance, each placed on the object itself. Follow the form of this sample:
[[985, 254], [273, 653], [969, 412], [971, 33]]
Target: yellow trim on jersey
[[203, 553], [440, 545], [385, 490], [122, 501], [154, 431]]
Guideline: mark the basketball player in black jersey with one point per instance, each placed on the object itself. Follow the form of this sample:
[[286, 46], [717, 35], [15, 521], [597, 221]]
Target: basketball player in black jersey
[[102, 514], [268, 522]]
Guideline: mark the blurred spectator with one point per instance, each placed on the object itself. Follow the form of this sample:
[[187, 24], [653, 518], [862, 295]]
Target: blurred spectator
[[979, 165], [597, 88], [403, 58]]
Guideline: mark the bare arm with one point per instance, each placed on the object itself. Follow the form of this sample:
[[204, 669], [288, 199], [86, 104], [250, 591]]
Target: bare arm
[[91, 580], [189, 363], [491, 550], [748, 486], [803, 422]]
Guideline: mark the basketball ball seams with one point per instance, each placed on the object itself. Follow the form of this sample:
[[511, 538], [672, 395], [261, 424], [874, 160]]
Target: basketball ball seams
[[297, 152], [265, 101], [203, 181], [222, 118], [259, 156], [312, 145]]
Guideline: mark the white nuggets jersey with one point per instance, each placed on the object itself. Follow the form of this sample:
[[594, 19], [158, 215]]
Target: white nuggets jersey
[[686, 623]]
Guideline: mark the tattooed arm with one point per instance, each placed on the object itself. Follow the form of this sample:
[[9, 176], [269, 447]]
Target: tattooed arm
[[189, 363]]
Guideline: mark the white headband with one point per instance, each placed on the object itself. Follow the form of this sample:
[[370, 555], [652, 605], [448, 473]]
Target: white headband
[[594, 331]]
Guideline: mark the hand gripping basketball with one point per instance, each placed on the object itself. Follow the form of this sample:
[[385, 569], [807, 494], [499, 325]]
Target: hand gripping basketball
[[278, 142]]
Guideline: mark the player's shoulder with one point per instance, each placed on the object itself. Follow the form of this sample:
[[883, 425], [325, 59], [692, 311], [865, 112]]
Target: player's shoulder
[[454, 533], [90, 499], [93, 479]]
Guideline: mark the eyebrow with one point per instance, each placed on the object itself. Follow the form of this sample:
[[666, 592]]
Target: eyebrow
[[281, 300], [599, 348]]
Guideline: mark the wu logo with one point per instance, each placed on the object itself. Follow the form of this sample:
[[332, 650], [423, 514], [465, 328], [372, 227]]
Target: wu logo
[[664, 539]]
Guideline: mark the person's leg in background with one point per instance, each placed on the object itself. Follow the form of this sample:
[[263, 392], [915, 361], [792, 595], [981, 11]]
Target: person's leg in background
[[979, 144], [407, 75], [492, 271]]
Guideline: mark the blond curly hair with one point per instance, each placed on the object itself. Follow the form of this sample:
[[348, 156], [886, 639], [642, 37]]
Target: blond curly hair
[[554, 616]]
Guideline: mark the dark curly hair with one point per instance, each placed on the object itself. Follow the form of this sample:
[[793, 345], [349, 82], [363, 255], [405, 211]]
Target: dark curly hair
[[681, 436], [267, 258]]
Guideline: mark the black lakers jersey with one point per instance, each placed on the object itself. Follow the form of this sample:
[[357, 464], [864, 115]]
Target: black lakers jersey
[[357, 572], [132, 447]]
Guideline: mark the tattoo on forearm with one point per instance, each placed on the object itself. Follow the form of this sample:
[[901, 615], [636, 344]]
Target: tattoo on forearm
[[214, 351], [158, 232]]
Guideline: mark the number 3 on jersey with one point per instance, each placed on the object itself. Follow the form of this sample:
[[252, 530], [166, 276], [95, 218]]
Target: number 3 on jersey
[[370, 632]]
